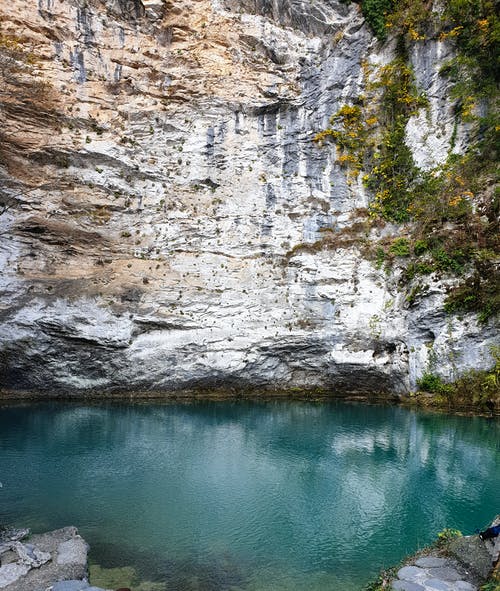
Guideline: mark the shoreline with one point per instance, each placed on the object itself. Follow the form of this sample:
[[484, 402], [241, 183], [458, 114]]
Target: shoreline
[[422, 401], [59, 560], [453, 562]]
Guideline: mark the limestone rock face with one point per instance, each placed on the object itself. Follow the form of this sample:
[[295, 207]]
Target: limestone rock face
[[166, 208]]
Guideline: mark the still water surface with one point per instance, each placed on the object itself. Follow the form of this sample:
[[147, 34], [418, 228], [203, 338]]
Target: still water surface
[[243, 496]]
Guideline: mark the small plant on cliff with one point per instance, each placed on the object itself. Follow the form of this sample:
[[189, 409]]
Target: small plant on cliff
[[433, 383], [400, 247], [479, 388], [376, 13], [447, 535], [348, 131], [383, 580]]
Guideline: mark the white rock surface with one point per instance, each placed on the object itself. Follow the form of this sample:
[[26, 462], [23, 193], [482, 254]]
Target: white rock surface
[[166, 228], [72, 551], [11, 573]]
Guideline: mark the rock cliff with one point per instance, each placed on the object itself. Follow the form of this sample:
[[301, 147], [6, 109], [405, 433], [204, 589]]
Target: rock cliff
[[166, 208]]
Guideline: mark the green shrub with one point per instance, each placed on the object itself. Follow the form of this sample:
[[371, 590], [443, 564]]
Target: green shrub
[[478, 388], [419, 247], [430, 382], [376, 12], [448, 534], [449, 261], [415, 269], [400, 247], [478, 293], [380, 254]]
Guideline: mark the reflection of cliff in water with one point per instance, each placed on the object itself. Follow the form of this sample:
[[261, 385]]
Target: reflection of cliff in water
[[269, 487]]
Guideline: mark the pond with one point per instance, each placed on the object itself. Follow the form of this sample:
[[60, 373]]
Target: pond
[[246, 496]]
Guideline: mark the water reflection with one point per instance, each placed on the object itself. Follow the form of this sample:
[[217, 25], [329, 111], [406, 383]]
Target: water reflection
[[248, 495]]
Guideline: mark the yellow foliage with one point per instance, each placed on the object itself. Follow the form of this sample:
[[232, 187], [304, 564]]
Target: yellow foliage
[[339, 35], [453, 33], [454, 201], [321, 136], [415, 35], [468, 106], [347, 158], [483, 24]]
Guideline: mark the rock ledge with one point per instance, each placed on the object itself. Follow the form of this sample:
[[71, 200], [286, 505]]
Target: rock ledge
[[54, 561]]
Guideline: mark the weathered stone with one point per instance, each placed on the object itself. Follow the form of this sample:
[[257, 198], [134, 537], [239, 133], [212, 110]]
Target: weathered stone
[[407, 586], [431, 561], [409, 573], [175, 222], [9, 534], [11, 573], [472, 552], [412, 573], [464, 586], [70, 586], [43, 577], [7, 557], [72, 551], [437, 585], [27, 554], [446, 573]]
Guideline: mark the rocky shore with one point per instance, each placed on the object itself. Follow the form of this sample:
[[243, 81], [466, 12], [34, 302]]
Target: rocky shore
[[54, 561], [454, 563], [57, 561]]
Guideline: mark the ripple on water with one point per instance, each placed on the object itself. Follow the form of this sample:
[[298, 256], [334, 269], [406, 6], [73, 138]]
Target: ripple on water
[[248, 496]]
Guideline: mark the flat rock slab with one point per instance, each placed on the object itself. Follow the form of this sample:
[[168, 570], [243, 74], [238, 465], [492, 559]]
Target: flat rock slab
[[446, 573], [473, 553], [75, 586], [431, 562], [413, 574], [68, 561], [70, 586], [72, 551], [436, 573], [437, 585], [10, 573], [407, 586]]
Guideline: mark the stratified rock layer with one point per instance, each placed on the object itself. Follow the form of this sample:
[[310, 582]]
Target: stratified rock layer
[[168, 207]]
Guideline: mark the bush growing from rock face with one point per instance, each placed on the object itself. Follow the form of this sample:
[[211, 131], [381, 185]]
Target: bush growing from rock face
[[376, 13], [453, 214], [446, 535], [433, 383], [475, 387], [400, 247]]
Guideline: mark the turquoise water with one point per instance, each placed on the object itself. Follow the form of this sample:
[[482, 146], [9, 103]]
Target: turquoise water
[[243, 496]]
